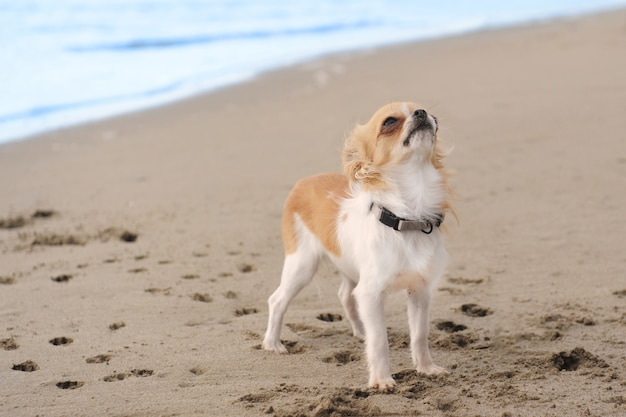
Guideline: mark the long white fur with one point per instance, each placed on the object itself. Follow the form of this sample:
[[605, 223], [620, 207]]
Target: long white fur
[[376, 259]]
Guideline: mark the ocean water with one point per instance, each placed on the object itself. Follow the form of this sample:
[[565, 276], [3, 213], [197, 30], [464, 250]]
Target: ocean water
[[64, 62]]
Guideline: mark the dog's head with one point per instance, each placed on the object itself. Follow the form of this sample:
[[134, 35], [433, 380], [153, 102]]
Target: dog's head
[[397, 133]]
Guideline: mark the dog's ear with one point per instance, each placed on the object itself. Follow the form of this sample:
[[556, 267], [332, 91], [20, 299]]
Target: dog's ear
[[352, 161], [357, 161]]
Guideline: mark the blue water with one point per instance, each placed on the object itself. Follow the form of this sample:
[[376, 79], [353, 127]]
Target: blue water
[[64, 62]]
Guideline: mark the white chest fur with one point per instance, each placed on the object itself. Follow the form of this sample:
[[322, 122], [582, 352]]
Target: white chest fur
[[391, 259]]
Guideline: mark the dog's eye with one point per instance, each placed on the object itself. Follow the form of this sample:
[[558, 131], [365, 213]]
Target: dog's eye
[[389, 121]]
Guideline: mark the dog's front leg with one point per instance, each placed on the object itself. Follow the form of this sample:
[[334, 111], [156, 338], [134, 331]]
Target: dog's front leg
[[417, 308], [372, 312]]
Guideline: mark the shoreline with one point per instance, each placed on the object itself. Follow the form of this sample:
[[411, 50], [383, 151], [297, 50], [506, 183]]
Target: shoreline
[[144, 291], [531, 22]]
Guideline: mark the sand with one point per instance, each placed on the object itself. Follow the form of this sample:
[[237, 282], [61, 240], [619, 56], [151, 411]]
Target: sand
[[137, 253]]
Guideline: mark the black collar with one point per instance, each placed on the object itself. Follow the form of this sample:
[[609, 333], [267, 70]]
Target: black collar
[[388, 218]]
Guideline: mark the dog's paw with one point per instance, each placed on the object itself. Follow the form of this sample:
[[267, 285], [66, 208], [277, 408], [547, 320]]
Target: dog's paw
[[274, 346], [432, 369], [382, 384]]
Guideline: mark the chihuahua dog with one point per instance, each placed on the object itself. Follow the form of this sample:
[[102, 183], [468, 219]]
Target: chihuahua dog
[[379, 224]]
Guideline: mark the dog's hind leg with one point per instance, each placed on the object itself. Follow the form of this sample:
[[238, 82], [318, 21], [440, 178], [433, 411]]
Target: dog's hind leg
[[298, 270], [417, 308], [349, 305]]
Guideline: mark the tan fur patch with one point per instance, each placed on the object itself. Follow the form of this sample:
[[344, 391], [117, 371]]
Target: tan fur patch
[[436, 159], [412, 282], [316, 201], [369, 147]]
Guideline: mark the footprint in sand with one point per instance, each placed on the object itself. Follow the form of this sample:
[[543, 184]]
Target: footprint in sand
[[60, 341], [142, 372], [474, 310], [205, 298], [302, 328], [450, 326], [293, 347], [245, 311], [230, 295], [191, 276], [246, 268], [330, 317], [7, 281], [128, 237], [13, 222], [43, 214], [62, 278], [117, 325], [198, 370], [576, 358], [456, 341], [164, 291], [116, 233], [342, 358], [620, 293], [8, 344], [54, 239], [21, 221], [28, 366], [17, 222], [120, 376], [70, 384], [103, 358]]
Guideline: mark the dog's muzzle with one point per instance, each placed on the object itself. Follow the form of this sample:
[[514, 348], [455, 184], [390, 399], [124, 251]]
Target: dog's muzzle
[[421, 122]]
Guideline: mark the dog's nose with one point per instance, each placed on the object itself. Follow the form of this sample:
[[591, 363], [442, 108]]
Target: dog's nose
[[420, 114]]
